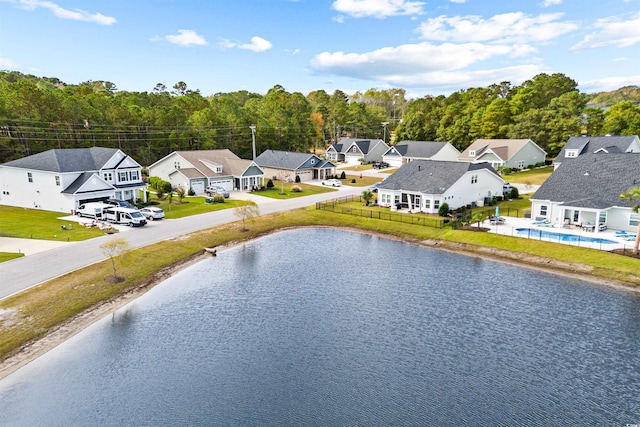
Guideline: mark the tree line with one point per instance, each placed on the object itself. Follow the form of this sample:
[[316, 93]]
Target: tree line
[[40, 113]]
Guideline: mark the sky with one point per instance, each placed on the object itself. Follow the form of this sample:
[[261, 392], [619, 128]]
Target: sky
[[424, 47]]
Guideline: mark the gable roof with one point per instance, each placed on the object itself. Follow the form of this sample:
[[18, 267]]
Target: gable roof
[[592, 144], [418, 149], [593, 181], [364, 145], [503, 148], [204, 160], [284, 159], [66, 159], [431, 176]]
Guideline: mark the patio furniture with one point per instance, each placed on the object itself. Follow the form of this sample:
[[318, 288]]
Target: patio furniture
[[589, 227], [540, 221], [602, 227]]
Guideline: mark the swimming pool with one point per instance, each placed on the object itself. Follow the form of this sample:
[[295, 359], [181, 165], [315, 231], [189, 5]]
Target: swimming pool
[[542, 234]]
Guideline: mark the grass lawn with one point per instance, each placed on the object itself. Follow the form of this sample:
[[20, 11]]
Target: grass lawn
[[193, 205], [307, 190], [365, 181], [530, 177], [8, 256], [45, 225], [356, 168]]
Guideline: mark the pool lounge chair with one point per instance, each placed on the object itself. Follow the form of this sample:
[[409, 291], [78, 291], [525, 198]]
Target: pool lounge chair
[[547, 224], [540, 221]]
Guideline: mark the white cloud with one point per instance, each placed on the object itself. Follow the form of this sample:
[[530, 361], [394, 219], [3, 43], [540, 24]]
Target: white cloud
[[606, 84], [258, 44], [186, 38], [378, 8], [458, 1], [614, 32], [515, 27], [548, 3], [75, 14], [10, 64]]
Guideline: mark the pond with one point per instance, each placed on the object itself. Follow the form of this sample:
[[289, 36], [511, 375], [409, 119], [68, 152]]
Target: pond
[[332, 328]]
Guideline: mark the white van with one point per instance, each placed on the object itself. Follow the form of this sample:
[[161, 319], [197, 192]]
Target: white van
[[128, 216], [92, 210]]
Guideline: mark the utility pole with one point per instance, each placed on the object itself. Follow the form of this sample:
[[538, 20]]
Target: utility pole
[[384, 126], [253, 139]]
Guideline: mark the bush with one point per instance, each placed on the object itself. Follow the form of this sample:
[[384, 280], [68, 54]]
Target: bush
[[444, 209], [296, 189], [353, 180], [343, 175], [191, 192], [298, 180], [218, 198], [270, 183], [515, 194]]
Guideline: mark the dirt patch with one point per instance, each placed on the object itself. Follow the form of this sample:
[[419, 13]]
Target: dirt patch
[[626, 252]]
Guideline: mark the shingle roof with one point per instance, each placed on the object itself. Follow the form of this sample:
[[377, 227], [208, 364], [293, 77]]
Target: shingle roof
[[591, 144], [200, 159], [593, 181], [419, 149], [282, 159], [363, 144], [504, 148], [430, 176], [66, 159]]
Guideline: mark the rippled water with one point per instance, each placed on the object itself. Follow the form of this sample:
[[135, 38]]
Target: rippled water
[[331, 328]]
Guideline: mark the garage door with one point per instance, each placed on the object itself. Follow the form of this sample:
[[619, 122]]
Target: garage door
[[197, 186]]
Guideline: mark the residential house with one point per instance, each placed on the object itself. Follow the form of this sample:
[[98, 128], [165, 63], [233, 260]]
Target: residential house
[[509, 153], [353, 151], [198, 169], [579, 145], [60, 180], [286, 165], [424, 185], [406, 151], [587, 190]]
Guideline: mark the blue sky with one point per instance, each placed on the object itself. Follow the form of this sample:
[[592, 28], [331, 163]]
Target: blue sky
[[426, 47]]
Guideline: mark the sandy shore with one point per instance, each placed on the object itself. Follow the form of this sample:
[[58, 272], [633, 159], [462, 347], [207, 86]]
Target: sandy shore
[[75, 325]]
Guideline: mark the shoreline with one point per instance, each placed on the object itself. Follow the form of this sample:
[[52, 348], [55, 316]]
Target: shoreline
[[73, 326]]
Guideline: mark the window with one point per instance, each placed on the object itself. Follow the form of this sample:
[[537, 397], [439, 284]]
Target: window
[[633, 219], [385, 199], [472, 153], [427, 203], [602, 218], [176, 165], [397, 199], [436, 204], [313, 161], [571, 153], [58, 180], [474, 179], [108, 176], [354, 149], [218, 169], [520, 164], [30, 176], [543, 210], [122, 176], [135, 176]]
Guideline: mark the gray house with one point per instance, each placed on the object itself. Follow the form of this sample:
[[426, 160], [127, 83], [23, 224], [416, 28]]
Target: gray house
[[351, 150], [286, 165], [510, 153], [580, 145], [587, 190], [407, 151]]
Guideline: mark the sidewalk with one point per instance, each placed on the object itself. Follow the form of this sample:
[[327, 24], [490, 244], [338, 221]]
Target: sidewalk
[[28, 246]]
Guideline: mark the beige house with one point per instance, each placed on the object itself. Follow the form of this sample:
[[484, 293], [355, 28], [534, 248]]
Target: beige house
[[510, 153]]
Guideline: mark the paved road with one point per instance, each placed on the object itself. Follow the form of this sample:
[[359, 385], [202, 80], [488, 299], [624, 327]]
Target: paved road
[[22, 273]]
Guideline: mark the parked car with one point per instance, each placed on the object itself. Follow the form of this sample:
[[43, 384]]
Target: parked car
[[214, 189], [152, 213], [332, 182], [380, 165], [120, 203]]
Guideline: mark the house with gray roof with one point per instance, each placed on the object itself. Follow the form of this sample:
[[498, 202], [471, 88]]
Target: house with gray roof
[[586, 190], [352, 150], [286, 165], [424, 185], [407, 151], [579, 145], [198, 169], [510, 153], [60, 180]]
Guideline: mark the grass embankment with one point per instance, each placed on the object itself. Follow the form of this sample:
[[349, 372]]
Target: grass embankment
[[30, 315], [535, 176]]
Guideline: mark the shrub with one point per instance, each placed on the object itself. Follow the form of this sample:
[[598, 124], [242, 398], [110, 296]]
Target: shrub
[[343, 175], [191, 192], [444, 209], [353, 180], [515, 194], [218, 198], [270, 183], [160, 194], [298, 180], [296, 189], [166, 186]]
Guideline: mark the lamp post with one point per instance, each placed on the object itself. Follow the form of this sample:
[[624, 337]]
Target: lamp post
[[384, 127], [253, 139]]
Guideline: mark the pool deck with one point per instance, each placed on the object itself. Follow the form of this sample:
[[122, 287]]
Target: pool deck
[[510, 225]]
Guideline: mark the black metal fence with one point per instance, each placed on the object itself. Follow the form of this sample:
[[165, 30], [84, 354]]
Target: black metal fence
[[379, 213]]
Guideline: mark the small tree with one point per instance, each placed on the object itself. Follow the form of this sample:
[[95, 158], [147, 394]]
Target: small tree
[[367, 195], [632, 195], [160, 194], [246, 212], [444, 209], [113, 249], [515, 194], [297, 179], [343, 175], [270, 183], [181, 193], [478, 218]]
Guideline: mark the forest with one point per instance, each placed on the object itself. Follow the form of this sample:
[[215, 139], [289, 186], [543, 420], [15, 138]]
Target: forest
[[41, 113]]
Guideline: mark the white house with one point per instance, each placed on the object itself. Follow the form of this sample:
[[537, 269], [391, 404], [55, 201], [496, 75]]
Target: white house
[[510, 153], [587, 190], [60, 180], [407, 151], [424, 185], [286, 165], [579, 145], [352, 150], [201, 168]]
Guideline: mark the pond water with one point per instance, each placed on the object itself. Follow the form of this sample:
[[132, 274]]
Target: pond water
[[332, 328]]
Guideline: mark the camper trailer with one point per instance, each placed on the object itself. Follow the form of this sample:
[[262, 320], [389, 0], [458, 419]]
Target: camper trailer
[[128, 216]]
